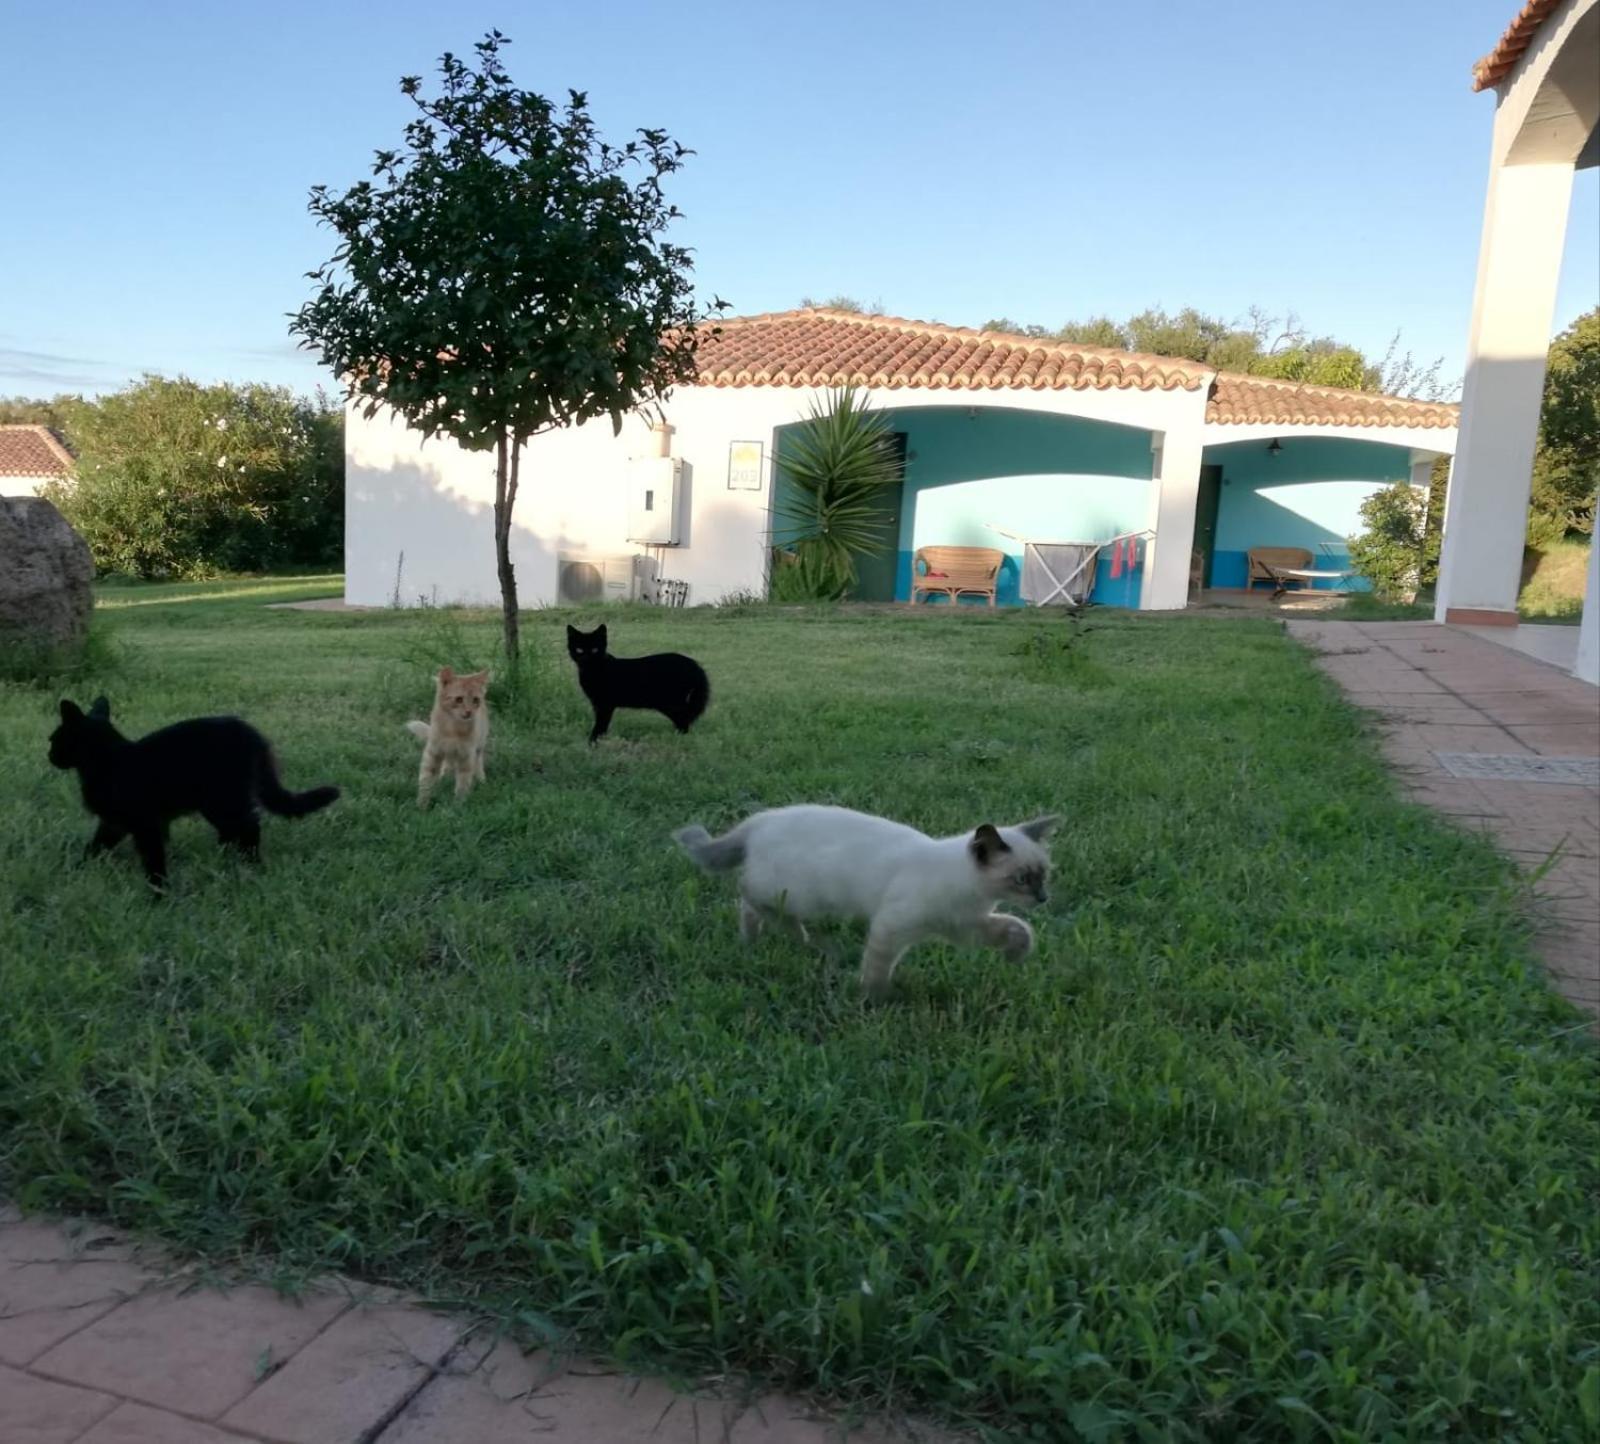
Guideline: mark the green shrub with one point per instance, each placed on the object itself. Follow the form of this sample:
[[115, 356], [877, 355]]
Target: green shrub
[[1398, 552], [839, 468], [176, 479]]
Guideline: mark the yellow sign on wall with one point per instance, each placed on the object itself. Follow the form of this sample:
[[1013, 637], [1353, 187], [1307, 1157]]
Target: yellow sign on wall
[[745, 471]]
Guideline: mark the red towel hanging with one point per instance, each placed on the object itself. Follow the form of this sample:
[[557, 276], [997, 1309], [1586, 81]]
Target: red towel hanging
[[1116, 558]]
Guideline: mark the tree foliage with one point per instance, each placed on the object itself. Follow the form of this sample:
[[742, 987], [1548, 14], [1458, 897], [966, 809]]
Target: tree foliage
[[1566, 469], [176, 479], [1398, 552], [503, 273], [843, 303], [837, 468], [1260, 345], [56, 413]]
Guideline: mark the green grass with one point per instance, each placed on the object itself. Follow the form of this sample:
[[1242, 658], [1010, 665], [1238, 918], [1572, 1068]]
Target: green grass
[[1554, 578], [1277, 1136]]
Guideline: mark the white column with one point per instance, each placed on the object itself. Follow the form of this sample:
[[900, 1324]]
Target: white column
[[1486, 509], [1177, 472], [1588, 666]]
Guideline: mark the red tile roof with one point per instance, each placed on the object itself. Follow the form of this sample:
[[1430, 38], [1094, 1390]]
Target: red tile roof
[[1245, 400], [1510, 48], [32, 451], [820, 347]]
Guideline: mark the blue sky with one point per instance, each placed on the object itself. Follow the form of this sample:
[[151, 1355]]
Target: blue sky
[[948, 160]]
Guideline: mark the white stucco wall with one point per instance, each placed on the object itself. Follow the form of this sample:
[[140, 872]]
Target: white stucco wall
[[433, 502], [22, 485]]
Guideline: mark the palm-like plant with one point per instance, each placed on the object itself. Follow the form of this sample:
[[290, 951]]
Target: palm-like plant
[[837, 467]]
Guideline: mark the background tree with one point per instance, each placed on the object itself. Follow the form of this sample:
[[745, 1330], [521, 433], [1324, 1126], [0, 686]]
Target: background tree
[[56, 413], [1261, 345], [176, 479], [843, 303], [1566, 467], [504, 273]]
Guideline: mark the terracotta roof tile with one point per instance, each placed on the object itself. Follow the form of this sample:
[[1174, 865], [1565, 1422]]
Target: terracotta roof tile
[[1246, 400], [819, 347], [32, 451], [1510, 48]]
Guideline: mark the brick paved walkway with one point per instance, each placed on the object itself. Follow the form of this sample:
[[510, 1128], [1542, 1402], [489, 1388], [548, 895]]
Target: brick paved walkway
[[99, 1345], [1439, 689]]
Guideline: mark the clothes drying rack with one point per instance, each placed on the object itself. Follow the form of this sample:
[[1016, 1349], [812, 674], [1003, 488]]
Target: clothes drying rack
[[1076, 559]]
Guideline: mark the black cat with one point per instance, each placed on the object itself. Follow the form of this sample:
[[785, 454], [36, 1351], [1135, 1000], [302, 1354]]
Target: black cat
[[219, 767], [668, 682]]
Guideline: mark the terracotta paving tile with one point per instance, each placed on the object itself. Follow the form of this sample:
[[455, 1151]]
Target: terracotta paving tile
[[348, 1377], [137, 1424], [510, 1397], [52, 1284], [1467, 739], [1566, 739], [198, 1352], [39, 1411]]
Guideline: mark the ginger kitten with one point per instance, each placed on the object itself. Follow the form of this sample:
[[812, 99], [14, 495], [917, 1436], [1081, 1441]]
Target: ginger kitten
[[456, 733]]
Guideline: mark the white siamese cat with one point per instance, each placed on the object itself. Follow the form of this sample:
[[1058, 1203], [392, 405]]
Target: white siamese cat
[[812, 862]]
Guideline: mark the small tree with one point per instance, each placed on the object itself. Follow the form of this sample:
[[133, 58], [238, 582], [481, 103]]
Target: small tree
[[504, 274], [1398, 552]]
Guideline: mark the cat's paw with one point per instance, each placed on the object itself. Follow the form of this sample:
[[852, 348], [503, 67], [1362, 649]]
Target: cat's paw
[[1016, 940]]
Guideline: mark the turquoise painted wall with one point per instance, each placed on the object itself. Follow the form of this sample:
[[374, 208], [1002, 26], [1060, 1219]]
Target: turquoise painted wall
[[1050, 478], [1309, 493]]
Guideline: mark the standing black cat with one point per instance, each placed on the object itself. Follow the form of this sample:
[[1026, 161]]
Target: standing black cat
[[668, 682], [219, 767]]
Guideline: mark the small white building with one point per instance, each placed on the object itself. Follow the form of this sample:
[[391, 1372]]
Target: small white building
[[1003, 438], [29, 457]]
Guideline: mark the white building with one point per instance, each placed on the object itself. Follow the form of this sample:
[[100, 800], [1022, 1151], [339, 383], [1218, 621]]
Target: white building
[[29, 457], [1004, 437]]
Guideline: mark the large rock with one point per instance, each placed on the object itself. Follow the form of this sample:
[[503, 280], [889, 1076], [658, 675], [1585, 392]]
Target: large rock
[[45, 572]]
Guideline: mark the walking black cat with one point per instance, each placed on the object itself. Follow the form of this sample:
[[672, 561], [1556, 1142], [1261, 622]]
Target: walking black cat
[[220, 767], [668, 682]]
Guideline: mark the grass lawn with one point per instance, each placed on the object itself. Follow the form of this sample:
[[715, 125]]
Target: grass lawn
[[1277, 1136]]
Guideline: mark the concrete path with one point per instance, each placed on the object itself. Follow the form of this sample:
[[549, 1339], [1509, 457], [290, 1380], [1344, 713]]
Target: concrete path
[[102, 1344], [1440, 690]]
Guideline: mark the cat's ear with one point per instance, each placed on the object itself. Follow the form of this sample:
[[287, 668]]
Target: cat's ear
[[599, 632], [486, 676], [1041, 827], [70, 711], [986, 845], [100, 709], [572, 632], [446, 675]]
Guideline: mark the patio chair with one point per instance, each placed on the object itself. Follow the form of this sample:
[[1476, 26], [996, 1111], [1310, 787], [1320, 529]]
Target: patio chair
[[956, 572], [1276, 565]]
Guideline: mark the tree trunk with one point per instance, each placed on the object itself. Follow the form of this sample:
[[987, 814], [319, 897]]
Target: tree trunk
[[507, 465]]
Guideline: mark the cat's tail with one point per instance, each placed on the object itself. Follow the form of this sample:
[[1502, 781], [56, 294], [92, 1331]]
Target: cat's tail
[[714, 854], [277, 798], [419, 730]]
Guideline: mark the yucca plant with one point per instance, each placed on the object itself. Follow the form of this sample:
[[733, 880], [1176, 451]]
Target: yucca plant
[[837, 466]]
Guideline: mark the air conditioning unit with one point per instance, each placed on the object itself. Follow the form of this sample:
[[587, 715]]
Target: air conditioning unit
[[588, 581], [654, 486]]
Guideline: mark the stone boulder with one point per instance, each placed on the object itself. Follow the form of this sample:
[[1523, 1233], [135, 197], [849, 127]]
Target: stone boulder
[[45, 572]]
